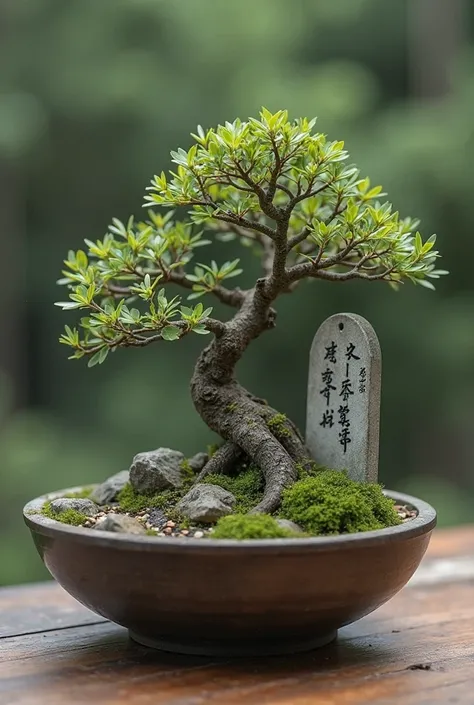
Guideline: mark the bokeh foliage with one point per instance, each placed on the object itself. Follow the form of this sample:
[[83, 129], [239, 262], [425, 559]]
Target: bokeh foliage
[[95, 94]]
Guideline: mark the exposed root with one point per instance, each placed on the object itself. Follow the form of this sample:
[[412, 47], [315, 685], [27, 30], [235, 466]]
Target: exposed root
[[222, 462], [270, 456], [252, 430]]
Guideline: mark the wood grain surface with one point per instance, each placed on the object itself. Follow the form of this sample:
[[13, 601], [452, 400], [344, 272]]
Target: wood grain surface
[[418, 648]]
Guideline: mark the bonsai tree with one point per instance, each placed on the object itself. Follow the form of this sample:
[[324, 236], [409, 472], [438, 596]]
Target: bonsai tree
[[283, 189]]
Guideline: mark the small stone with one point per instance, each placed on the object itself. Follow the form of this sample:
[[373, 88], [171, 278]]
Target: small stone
[[206, 503], [168, 530], [119, 524], [156, 470], [172, 524], [199, 534], [185, 532], [157, 518], [289, 525], [145, 517], [108, 490], [84, 506], [198, 461]]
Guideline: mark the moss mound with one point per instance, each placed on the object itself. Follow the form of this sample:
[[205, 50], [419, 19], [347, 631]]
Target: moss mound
[[247, 487], [331, 503], [133, 502], [250, 526], [70, 516], [85, 493]]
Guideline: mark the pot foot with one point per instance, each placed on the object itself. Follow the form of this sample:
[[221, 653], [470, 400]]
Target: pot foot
[[237, 649]]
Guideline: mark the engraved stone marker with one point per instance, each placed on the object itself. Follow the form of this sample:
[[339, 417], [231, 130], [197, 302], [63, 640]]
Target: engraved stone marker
[[343, 412]]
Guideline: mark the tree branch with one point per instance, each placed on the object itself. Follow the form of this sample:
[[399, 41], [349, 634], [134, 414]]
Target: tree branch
[[309, 270], [286, 190], [272, 185], [268, 255], [230, 297], [298, 238], [278, 276], [249, 224], [215, 326], [307, 194], [265, 198]]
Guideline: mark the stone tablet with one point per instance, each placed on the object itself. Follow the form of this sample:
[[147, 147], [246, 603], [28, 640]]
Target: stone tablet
[[343, 412]]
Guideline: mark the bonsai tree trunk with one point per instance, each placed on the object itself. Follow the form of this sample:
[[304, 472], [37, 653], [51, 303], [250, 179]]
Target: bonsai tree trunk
[[247, 424]]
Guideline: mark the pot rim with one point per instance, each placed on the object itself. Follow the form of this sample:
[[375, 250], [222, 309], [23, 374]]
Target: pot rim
[[423, 523]]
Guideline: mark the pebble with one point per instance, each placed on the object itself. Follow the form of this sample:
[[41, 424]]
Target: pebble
[[405, 513], [168, 530], [171, 524], [158, 518], [199, 534], [185, 532]]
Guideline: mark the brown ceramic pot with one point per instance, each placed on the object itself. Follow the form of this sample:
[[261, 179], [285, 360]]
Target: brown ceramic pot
[[227, 597]]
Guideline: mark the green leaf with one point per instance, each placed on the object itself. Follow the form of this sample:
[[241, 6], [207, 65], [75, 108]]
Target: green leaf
[[103, 354], [170, 333], [95, 359], [66, 305], [201, 330], [427, 284]]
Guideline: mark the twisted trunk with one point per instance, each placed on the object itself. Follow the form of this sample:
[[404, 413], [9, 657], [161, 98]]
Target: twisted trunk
[[242, 420]]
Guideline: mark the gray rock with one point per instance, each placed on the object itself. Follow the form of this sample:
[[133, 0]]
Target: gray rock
[[157, 518], [108, 490], [84, 506], [120, 524], [206, 503], [290, 525], [156, 470], [198, 461]]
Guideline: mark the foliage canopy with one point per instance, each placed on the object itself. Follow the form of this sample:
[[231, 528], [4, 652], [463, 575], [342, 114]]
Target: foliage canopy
[[274, 184]]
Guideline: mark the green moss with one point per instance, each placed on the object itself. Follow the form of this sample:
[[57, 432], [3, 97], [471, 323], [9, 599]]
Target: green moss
[[278, 425], [131, 501], [232, 407], [188, 472], [70, 516], [212, 449], [250, 526], [85, 493], [308, 468], [247, 487], [331, 503], [151, 532]]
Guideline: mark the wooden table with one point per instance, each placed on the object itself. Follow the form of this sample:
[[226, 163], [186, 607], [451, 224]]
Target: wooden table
[[419, 648]]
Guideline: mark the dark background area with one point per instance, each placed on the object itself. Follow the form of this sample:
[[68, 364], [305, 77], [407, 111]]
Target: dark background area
[[94, 94]]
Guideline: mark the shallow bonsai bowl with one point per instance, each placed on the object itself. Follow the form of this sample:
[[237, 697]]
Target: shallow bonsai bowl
[[231, 598]]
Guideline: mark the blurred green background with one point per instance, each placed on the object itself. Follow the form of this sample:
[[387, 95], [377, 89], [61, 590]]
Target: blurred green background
[[94, 94]]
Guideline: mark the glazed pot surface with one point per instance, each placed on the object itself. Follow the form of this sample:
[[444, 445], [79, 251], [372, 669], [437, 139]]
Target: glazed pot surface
[[226, 597]]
